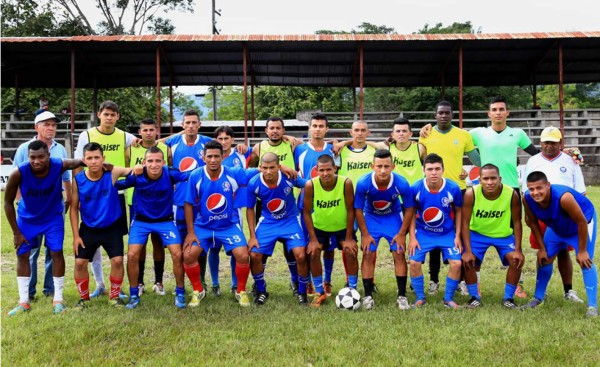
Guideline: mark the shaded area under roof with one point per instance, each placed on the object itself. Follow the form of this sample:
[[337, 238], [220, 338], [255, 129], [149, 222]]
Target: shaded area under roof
[[301, 60]]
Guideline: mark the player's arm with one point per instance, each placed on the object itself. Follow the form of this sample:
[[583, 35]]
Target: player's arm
[[10, 193], [458, 227], [349, 244], [127, 156], [400, 237], [68, 195], [118, 172], [254, 156], [74, 216], [531, 149], [71, 164], [425, 131], [515, 210], [251, 217], [191, 238], [365, 237], [422, 152], [474, 157], [467, 210], [413, 244], [573, 210], [162, 140], [81, 142], [313, 242], [532, 222], [169, 156]]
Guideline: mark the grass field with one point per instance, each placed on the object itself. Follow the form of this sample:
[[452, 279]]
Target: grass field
[[220, 333]]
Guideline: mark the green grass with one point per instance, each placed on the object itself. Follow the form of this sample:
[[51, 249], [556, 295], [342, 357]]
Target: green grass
[[220, 333]]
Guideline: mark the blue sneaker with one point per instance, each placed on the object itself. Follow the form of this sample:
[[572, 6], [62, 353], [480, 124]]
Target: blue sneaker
[[123, 295], [59, 309], [100, 291], [134, 301], [180, 300]]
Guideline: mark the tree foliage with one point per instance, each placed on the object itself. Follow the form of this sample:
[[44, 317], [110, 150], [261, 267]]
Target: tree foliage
[[32, 18]]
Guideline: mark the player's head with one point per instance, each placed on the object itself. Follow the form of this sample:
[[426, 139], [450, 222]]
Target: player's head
[[490, 179], [433, 168], [550, 141], [269, 164], [382, 164], [538, 186], [275, 129], [443, 115], [326, 168], [359, 132], [213, 155], [401, 130], [191, 123], [39, 156], [318, 126], [498, 110], [93, 156], [108, 114], [224, 135], [148, 131], [154, 160]]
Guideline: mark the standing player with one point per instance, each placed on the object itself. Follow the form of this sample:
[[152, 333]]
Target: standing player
[[134, 155], [571, 220], [329, 211], [438, 202], [279, 221], [354, 160], [153, 203], [407, 155], [40, 212], [384, 208], [95, 197], [492, 217]]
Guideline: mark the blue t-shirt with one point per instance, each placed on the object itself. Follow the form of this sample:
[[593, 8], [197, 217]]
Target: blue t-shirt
[[213, 200], [435, 210], [278, 202], [98, 200], [236, 159], [376, 203], [555, 217], [186, 158], [41, 197], [305, 157]]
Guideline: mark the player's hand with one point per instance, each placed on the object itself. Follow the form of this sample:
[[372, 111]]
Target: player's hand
[[313, 247], [413, 244], [241, 148], [19, 240], [468, 259], [458, 244], [190, 239], [542, 257], [77, 242], [575, 154], [252, 242], [107, 167], [463, 174], [136, 142], [400, 241], [337, 147], [138, 169], [519, 259], [425, 131], [290, 173], [365, 243], [583, 259], [349, 246]]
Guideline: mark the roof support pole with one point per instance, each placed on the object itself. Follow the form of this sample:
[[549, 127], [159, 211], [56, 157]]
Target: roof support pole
[[252, 106], [158, 88], [361, 93], [460, 86], [170, 109], [561, 95], [72, 93], [95, 100], [245, 62]]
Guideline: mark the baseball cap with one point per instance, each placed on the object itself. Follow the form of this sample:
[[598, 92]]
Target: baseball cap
[[46, 115], [551, 134]]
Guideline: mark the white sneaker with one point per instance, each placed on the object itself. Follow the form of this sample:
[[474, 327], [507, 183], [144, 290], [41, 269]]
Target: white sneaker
[[159, 289], [402, 303], [433, 287], [571, 295], [368, 303], [462, 288], [141, 289]]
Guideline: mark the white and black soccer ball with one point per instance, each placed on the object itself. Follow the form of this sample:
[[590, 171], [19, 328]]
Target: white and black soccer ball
[[348, 299]]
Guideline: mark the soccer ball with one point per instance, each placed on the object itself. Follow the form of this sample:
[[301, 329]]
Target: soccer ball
[[348, 299]]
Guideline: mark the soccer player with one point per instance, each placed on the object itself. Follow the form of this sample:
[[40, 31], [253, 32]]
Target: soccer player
[[96, 198], [329, 211], [153, 203], [438, 203], [384, 208], [134, 155], [354, 160], [571, 220], [407, 155], [279, 221], [45, 126], [492, 218], [40, 212], [561, 169]]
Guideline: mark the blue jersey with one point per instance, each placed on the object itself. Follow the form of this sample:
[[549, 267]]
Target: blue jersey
[[377, 202], [556, 218], [41, 197], [435, 210], [236, 159], [186, 158], [98, 200], [305, 157], [153, 199], [213, 200], [278, 202]]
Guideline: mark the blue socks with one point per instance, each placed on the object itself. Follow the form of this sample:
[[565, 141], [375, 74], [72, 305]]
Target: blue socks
[[544, 274], [473, 290], [318, 282], [293, 271], [259, 280], [419, 286], [509, 291], [328, 264], [134, 291], [213, 265], [179, 291], [590, 280], [302, 283], [451, 285], [234, 282], [353, 281]]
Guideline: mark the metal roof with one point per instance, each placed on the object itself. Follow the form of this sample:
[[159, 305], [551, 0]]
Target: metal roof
[[301, 60]]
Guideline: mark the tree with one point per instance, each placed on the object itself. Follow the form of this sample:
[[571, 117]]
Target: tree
[[29, 18], [455, 27]]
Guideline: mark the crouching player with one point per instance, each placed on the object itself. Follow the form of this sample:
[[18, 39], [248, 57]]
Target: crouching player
[[279, 221], [571, 220], [438, 204], [329, 211], [384, 208], [152, 204], [492, 217]]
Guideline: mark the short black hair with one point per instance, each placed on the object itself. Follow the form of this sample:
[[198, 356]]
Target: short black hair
[[192, 112], [110, 105], [490, 166], [274, 118], [403, 121], [536, 176], [91, 147], [37, 145], [154, 149], [325, 158], [443, 103], [148, 121], [382, 153], [224, 129], [319, 116], [433, 158], [213, 144], [498, 99]]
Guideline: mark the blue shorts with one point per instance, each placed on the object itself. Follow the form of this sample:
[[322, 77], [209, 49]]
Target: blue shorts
[[445, 243], [288, 231], [139, 232], [231, 238], [386, 226], [555, 243], [480, 244], [53, 229]]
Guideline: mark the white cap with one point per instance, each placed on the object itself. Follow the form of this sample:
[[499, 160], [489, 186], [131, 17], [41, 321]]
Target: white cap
[[551, 134], [46, 115]]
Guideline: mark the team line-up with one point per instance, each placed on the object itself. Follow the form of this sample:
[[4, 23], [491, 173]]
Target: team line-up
[[187, 193]]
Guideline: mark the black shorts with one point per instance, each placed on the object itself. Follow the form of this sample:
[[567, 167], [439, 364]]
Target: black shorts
[[324, 238], [110, 238]]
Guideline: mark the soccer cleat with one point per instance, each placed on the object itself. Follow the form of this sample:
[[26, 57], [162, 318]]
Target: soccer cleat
[[327, 288], [159, 289], [510, 304], [117, 302], [462, 288], [368, 303], [100, 291], [591, 312], [197, 296], [134, 301], [451, 304], [318, 300], [122, 295], [234, 289], [474, 302], [303, 299], [261, 298], [21, 308], [520, 292], [419, 303], [244, 299], [294, 288], [571, 295], [216, 291], [532, 304], [402, 303], [180, 300], [433, 287], [141, 289], [82, 305], [310, 290], [59, 308]]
